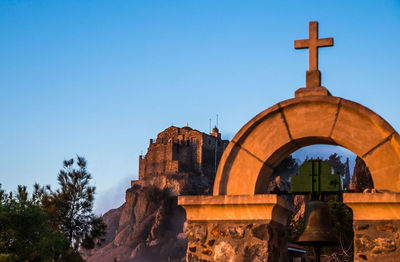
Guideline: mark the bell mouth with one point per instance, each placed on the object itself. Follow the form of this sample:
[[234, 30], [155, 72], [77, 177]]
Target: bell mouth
[[318, 227], [318, 236]]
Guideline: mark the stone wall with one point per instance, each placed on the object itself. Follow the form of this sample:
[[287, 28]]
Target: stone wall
[[158, 160], [377, 240], [175, 150], [182, 150], [236, 241]]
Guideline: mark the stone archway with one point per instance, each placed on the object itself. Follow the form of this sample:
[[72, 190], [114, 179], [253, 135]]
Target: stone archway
[[240, 223], [287, 126]]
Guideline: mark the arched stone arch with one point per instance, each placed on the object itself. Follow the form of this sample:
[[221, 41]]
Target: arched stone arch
[[264, 141]]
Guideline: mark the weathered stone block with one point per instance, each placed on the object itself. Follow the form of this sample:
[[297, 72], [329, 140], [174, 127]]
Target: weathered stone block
[[197, 233], [207, 252], [376, 240], [383, 245], [363, 244], [256, 253], [237, 241], [386, 228], [224, 252], [217, 232], [194, 258], [236, 232]]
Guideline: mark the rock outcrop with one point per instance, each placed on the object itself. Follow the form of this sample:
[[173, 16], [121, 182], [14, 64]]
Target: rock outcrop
[[150, 226]]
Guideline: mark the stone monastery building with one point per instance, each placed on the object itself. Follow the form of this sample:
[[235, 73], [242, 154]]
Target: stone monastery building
[[182, 150]]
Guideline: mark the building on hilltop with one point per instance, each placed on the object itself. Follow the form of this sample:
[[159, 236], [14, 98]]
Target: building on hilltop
[[181, 161], [182, 150]]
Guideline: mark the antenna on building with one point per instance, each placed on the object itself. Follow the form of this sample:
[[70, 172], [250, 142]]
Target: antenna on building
[[217, 121]]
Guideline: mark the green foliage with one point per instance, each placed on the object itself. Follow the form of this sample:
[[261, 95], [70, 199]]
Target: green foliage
[[342, 222], [338, 166], [24, 234], [70, 208], [7, 258], [51, 225], [342, 217]]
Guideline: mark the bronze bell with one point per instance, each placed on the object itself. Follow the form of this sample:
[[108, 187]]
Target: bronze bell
[[318, 230]]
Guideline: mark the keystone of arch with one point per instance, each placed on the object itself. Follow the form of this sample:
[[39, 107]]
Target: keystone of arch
[[272, 135]]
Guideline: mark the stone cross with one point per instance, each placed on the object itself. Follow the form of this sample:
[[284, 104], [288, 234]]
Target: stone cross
[[313, 76]]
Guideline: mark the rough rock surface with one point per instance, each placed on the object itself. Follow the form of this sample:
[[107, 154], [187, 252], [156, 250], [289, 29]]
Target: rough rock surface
[[376, 240], [236, 241], [149, 226]]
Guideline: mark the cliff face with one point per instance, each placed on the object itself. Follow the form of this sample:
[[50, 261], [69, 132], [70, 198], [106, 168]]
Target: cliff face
[[149, 226]]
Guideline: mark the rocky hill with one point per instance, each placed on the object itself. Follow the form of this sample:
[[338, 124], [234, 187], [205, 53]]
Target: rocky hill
[[150, 225]]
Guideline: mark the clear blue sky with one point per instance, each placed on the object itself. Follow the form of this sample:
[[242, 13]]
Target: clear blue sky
[[99, 78]]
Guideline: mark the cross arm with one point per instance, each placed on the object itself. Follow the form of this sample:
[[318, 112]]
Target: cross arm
[[325, 42], [301, 44]]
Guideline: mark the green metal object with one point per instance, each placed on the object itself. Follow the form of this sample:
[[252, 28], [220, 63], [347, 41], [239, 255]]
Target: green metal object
[[315, 176]]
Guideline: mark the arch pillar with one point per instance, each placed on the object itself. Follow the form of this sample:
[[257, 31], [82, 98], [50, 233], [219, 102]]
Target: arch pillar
[[236, 228], [376, 225]]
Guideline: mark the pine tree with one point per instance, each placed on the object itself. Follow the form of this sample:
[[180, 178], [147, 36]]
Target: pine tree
[[70, 208]]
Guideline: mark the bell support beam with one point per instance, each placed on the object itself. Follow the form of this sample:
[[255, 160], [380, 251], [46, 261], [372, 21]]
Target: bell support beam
[[373, 206], [236, 208]]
